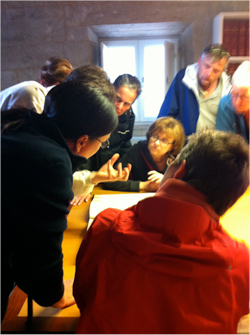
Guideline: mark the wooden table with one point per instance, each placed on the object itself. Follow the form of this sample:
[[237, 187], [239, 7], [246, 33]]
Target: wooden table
[[235, 221]]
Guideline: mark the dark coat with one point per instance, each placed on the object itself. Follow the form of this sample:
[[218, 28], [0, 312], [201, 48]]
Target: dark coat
[[37, 168]]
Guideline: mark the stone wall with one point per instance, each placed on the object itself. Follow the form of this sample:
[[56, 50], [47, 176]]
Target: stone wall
[[33, 31]]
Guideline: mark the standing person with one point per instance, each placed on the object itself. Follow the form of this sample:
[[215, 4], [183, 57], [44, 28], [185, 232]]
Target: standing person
[[76, 121], [194, 95], [233, 112], [31, 94], [127, 88], [166, 265], [149, 158]]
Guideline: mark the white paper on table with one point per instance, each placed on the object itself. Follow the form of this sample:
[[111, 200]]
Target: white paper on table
[[119, 201]]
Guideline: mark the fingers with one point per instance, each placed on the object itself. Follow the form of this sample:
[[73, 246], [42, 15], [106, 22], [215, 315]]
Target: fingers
[[114, 158], [79, 200]]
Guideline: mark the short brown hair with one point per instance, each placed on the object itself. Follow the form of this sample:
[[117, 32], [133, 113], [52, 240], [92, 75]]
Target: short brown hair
[[172, 127], [94, 76], [217, 165], [54, 71]]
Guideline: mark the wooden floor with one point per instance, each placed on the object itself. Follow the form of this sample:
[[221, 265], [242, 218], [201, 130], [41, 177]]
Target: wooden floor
[[235, 221]]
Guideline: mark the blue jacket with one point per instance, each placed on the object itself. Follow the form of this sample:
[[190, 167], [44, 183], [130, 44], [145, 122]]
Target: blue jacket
[[228, 120], [181, 101]]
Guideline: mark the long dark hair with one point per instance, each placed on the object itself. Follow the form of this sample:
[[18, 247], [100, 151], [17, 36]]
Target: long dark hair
[[76, 108]]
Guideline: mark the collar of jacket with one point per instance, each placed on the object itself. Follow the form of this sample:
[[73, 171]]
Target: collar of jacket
[[190, 80]]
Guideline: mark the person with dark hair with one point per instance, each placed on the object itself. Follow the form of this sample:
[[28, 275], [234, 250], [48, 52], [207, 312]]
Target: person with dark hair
[[149, 158], [127, 89], [194, 95], [94, 76], [76, 121], [166, 265], [31, 94]]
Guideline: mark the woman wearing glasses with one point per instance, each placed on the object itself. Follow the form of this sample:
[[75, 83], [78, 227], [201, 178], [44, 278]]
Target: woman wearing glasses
[[149, 158], [40, 152]]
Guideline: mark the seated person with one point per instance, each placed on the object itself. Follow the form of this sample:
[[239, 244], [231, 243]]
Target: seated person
[[233, 112], [127, 88], [166, 265], [31, 94], [149, 158]]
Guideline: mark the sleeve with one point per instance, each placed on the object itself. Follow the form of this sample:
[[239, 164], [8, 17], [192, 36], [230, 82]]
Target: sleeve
[[225, 117], [82, 183], [38, 257], [170, 106]]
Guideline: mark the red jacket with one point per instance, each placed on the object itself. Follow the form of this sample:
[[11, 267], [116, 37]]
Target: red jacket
[[163, 266]]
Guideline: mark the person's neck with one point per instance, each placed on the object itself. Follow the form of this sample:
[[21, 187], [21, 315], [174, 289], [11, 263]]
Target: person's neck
[[160, 162], [208, 90]]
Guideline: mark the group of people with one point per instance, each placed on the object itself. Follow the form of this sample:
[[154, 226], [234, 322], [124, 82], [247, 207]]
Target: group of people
[[164, 265]]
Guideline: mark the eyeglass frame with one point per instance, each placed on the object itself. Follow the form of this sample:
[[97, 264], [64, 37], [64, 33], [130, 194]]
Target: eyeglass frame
[[156, 138], [105, 144]]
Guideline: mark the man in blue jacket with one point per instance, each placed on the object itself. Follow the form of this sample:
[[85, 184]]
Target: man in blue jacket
[[194, 95], [233, 112]]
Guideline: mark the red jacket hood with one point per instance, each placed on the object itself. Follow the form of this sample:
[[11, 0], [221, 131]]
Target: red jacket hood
[[175, 232]]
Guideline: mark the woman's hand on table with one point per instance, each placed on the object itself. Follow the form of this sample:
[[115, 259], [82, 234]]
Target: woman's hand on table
[[67, 298], [107, 173], [80, 199], [155, 176]]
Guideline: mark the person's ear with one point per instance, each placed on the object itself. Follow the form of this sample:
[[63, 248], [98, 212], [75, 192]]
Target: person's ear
[[80, 143], [181, 170]]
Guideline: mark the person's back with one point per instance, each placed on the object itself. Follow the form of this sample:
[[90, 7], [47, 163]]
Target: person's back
[[27, 94], [166, 265], [31, 94]]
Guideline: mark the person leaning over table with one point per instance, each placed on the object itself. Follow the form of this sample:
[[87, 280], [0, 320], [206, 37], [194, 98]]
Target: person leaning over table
[[194, 95], [31, 94], [85, 180], [233, 112], [166, 265], [149, 158], [48, 147], [128, 89]]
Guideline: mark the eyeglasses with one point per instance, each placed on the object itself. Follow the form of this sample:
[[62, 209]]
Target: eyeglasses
[[220, 52], [244, 98], [163, 141], [104, 145]]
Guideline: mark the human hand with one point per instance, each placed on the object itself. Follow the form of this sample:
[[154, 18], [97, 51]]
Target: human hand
[[67, 298], [149, 186], [155, 176], [79, 200], [108, 174]]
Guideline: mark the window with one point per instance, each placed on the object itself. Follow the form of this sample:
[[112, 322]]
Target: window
[[152, 61]]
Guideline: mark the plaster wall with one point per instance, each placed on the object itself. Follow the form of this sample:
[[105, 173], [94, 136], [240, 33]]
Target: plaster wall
[[33, 31]]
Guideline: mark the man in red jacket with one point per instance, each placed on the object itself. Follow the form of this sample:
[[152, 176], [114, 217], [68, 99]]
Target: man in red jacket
[[166, 265]]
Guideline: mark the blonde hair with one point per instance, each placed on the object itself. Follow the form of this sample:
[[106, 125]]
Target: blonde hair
[[171, 127], [241, 77]]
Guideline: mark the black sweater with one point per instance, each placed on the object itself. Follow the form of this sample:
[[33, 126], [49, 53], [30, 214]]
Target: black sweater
[[142, 162], [37, 168]]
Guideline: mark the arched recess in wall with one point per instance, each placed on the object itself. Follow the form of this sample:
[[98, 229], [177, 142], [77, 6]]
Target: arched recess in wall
[[148, 41]]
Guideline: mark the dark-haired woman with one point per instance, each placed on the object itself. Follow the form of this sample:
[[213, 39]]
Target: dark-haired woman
[[39, 155]]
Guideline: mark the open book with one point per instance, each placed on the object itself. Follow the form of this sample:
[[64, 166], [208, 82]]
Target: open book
[[119, 201]]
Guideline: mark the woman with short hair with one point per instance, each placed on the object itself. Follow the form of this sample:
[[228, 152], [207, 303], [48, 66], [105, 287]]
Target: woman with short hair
[[149, 158]]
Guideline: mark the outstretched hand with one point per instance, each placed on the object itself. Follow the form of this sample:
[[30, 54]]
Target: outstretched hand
[[107, 173], [78, 200]]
